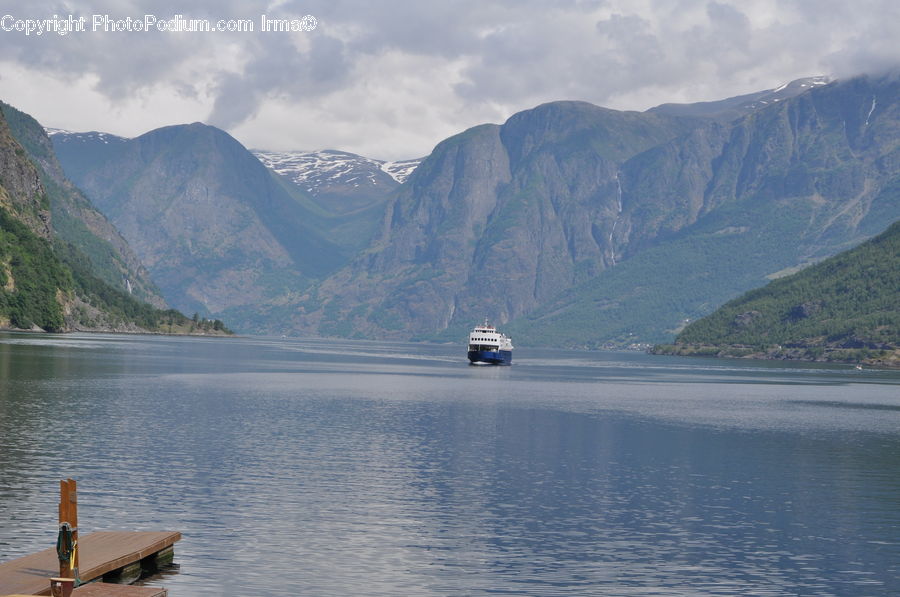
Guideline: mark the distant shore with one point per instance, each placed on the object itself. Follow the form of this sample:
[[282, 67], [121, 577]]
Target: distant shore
[[127, 330], [881, 358]]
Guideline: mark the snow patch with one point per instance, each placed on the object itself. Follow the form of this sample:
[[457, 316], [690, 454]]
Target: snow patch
[[75, 137], [51, 131], [400, 171], [317, 170]]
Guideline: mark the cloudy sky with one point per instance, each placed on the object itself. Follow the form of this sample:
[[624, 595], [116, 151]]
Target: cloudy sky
[[390, 79]]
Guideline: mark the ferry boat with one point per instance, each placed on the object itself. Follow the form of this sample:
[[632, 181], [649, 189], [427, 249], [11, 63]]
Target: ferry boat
[[487, 346]]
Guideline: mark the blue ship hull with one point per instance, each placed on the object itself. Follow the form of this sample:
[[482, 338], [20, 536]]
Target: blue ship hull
[[491, 357]]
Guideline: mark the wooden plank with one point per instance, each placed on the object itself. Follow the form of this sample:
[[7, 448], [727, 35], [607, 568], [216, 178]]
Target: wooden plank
[[101, 552], [101, 589]]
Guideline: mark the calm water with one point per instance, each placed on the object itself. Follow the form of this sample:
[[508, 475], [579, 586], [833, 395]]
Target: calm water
[[345, 468]]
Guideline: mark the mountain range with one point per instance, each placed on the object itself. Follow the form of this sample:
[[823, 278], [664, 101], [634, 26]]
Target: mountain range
[[569, 224], [76, 220], [736, 204], [333, 172], [741, 105], [221, 233], [63, 266], [581, 226]]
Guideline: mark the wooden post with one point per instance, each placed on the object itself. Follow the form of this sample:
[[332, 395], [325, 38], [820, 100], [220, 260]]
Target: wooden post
[[68, 513]]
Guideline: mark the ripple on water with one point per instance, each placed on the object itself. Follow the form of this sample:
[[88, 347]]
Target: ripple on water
[[372, 471]]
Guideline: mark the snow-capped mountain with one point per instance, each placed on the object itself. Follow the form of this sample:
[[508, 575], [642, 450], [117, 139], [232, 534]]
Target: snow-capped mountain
[[786, 91], [342, 182], [89, 137], [313, 171], [401, 170], [323, 172], [741, 105]]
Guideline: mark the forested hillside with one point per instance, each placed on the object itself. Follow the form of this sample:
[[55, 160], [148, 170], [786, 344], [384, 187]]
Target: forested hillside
[[846, 308], [46, 282], [76, 220]]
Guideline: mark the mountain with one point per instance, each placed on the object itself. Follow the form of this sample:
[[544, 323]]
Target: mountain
[[227, 236], [215, 228], [402, 169], [47, 283], [494, 222], [736, 204], [76, 220], [338, 175], [845, 308], [575, 225], [81, 151], [348, 191], [569, 224], [736, 107], [338, 181]]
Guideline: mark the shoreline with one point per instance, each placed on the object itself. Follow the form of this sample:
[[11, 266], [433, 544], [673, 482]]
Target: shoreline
[[888, 359], [129, 332]]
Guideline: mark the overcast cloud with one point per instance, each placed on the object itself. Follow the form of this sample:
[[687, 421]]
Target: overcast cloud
[[390, 79]]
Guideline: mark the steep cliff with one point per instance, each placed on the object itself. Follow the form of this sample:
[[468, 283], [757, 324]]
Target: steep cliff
[[76, 220], [583, 226], [569, 224], [47, 283], [214, 227], [495, 222], [34, 285], [735, 204], [22, 193]]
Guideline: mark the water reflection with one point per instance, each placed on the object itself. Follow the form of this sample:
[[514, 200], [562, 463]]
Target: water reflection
[[385, 469]]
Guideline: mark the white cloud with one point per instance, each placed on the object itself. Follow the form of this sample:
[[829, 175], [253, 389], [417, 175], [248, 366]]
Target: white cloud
[[391, 79], [77, 104]]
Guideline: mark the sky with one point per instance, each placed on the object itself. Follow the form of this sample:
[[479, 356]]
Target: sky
[[390, 79]]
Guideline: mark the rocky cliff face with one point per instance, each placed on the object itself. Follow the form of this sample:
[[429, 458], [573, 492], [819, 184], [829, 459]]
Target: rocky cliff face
[[47, 283], [21, 191], [829, 153], [496, 221], [32, 284], [569, 224], [212, 225], [77, 221], [580, 225], [733, 205], [430, 234], [36, 289]]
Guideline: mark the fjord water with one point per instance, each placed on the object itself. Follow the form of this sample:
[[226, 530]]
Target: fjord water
[[335, 468]]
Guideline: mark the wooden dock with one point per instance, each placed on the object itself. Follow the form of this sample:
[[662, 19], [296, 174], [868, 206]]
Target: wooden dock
[[100, 553], [102, 589]]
